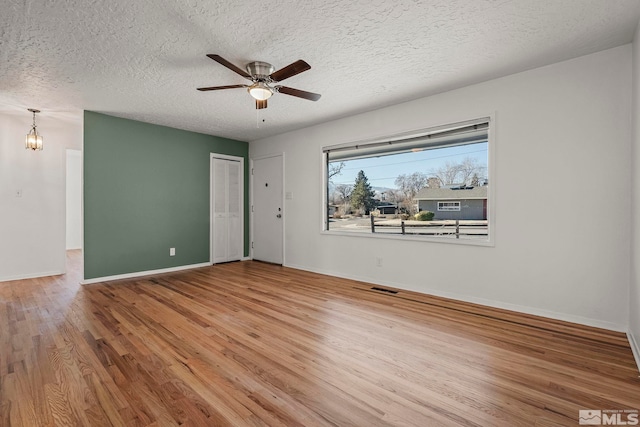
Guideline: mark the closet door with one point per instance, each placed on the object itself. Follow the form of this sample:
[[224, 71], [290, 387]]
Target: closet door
[[227, 239], [220, 211], [234, 220]]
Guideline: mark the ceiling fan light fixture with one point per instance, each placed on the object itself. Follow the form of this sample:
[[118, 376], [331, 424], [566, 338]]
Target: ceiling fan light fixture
[[264, 79], [260, 91]]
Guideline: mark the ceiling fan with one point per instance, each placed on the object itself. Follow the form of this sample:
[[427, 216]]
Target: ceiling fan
[[263, 78]]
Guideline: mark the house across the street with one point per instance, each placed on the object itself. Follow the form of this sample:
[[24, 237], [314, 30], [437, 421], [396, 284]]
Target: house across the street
[[461, 202], [387, 208]]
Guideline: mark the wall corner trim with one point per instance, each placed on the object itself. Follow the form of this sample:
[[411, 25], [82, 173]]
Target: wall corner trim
[[143, 273], [634, 348]]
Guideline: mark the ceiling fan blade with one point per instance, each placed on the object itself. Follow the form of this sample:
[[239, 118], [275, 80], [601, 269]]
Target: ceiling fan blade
[[220, 60], [203, 89], [299, 93], [290, 70]]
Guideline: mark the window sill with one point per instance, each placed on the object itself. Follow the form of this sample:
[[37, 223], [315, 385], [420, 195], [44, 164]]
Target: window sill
[[413, 238]]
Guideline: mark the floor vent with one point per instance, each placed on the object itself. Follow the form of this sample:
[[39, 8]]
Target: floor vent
[[388, 291]]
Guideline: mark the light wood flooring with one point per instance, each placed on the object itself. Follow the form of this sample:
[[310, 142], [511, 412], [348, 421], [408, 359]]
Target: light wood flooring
[[253, 344]]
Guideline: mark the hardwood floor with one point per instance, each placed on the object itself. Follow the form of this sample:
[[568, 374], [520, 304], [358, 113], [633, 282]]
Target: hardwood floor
[[252, 344]]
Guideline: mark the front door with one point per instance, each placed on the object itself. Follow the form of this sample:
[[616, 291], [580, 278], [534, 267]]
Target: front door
[[268, 212]]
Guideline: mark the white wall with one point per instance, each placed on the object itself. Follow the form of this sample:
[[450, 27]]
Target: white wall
[[562, 185], [74, 199], [634, 291], [32, 227]]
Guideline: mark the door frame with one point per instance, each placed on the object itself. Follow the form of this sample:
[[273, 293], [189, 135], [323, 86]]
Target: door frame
[[252, 199], [213, 156], [71, 153]]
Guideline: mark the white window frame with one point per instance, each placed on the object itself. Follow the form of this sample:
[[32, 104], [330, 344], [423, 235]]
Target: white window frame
[[454, 206], [490, 241]]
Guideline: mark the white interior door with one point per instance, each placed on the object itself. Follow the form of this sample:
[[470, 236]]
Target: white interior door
[[227, 238], [268, 210]]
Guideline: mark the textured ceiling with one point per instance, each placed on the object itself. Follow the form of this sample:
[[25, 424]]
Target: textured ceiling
[[143, 59]]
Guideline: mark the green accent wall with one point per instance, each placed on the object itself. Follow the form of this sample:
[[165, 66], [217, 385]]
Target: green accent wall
[[146, 189]]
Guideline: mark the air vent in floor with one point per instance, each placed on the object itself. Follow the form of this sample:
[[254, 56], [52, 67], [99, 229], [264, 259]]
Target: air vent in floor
[[388, 291]]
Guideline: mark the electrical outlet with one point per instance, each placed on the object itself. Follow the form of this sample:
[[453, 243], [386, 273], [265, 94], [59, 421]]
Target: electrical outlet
[[172, 251], [378, 262]]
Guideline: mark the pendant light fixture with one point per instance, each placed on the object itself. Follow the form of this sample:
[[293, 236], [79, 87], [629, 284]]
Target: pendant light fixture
[[33, 140]]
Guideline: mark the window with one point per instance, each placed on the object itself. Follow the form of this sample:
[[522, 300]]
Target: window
[[432, 184], [448, 206]]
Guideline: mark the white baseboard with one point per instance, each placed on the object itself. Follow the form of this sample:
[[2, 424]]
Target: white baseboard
[[486, 302], [143, 273], [31, 276], [634, 348]]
